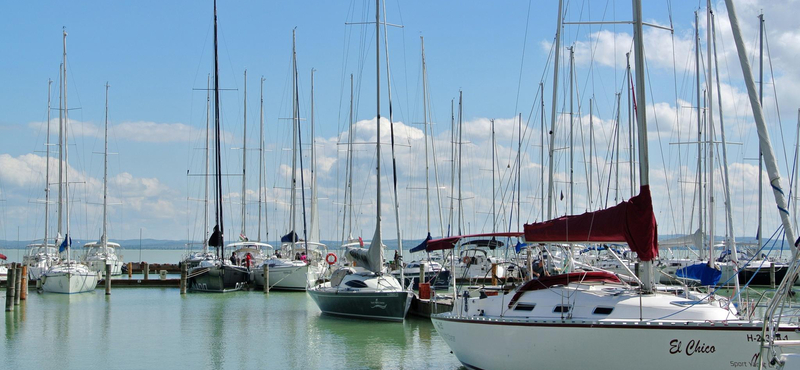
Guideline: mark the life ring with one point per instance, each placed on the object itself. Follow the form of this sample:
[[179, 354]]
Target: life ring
[[465, 260], [330, 258]]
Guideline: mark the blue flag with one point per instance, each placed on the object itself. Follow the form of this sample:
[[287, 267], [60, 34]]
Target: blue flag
[[65, 244]]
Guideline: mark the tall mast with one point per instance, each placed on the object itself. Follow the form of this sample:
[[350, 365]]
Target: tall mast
[[425, 130], [591, 143], [641, 119], [710, 136], [760, 149], [630, 124], [47, 168], [293, 206], [728, 212], [208, 170], [700, 199], [219, 238], [104, 239], [519, 174], [494, 213], [571, 121], [796, 161], [452, 165], [541, 149], [260, 157], [314, 216], [67, 237], [244, 160], [378, 239], [553, 113], [350, 165], [460, 130]]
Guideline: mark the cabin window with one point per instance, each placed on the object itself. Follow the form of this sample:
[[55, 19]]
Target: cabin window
[[603, 310], [563, 308], [355, 284], [524, 307]]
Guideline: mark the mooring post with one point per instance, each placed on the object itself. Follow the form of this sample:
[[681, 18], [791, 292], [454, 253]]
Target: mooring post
[[17, 282], [10, 289], [130, 270], [266, 278], [184, 275], [108, 279], [494, 274], [146, 270], [421, 275], [772, 275], [23, 295]]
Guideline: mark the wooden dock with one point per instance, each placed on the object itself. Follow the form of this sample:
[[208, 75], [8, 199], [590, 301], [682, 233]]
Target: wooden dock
[[428, 307]]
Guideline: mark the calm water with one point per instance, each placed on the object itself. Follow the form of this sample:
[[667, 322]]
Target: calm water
[[158, 328]]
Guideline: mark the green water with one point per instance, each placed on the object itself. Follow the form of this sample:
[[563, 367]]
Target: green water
[[157, 328]]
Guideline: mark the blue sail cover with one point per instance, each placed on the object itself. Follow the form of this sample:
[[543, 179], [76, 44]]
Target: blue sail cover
[[65, 244], [291, 237], [421, 247], [708, 276]]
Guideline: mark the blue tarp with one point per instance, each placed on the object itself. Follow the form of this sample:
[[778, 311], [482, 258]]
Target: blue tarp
[[421, 247], [708, 276]]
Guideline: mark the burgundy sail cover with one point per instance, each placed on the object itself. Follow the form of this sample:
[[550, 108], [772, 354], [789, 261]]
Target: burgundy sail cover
[[631, 221]]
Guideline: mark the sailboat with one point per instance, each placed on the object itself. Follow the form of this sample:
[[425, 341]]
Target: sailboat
[[217, 275], [560, 321], [367, 290], [102, 253], [39, 257], [68, 276], [293, 272]]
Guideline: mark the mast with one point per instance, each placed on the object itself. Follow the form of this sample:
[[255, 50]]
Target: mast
[[700, 217], [460, 130], [378, 238], [710, 136], [630, 123], [452, 164], [47, 168], [553, 113], [261, 157], [728, 212], [314, 216], [494, 213], [208, 143], [67, 237], [760, 148], [219, 233], [519, 174], [591, 143], [244, 161], [796, 161], [425, 130], [641, 119], [541, 149], [295, 119], [104, 239], [571, 123], [349, 194]]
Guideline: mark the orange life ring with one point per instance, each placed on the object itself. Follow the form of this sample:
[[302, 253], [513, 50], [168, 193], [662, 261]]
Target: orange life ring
[[465, 260], [330, 260]]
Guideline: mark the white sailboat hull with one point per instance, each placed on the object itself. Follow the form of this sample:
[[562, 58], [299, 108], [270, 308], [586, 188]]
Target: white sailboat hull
[[575, 344], [69, 282], [288, 277]]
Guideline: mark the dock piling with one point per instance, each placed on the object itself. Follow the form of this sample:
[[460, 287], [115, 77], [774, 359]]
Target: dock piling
[[146, 270], [17, 282], [494, 274], [108, 279], [10, 289], [421, 274], [23, 295], [772, 275], [266, 278], [130, 270], [184, 274]]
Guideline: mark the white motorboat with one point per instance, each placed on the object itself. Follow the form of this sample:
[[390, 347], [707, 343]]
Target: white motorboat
[[296, 273]]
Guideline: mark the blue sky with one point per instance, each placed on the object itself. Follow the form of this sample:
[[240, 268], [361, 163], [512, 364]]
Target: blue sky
[[155, 55]]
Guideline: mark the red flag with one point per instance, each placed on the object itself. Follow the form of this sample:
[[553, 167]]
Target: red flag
[[361, 241]]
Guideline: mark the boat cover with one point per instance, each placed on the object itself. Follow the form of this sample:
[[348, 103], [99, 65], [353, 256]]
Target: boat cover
[[421, 247], [708, 276], [632, 222]]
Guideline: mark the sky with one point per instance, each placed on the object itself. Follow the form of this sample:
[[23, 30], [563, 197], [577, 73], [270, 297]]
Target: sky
[[157, 56]]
